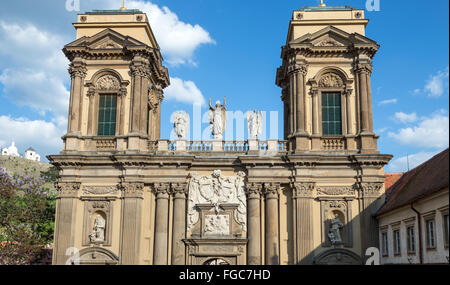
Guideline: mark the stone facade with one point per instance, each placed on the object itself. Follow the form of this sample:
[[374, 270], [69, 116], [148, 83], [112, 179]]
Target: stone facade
[[186, 202]]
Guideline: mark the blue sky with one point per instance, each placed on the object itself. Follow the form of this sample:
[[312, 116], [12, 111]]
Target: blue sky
[[230, 48]]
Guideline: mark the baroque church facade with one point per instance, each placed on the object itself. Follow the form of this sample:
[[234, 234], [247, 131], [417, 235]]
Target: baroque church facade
[[127, 196]]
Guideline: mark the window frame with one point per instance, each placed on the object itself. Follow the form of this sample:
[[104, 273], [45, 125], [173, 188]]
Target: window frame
[[112, 95], [340, 94], [397, 242], [411, 239], [430, 240], [384, 243]]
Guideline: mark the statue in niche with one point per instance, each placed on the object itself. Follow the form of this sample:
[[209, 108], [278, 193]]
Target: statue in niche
[[98, 233], [254, 124], [335, 230], [180, 121], [217, 119]]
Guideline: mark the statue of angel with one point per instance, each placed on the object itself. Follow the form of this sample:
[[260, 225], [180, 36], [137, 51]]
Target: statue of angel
[[254, 124], [217, 118], [180, 121]]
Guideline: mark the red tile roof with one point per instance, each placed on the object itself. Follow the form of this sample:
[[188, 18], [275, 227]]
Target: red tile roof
[[426, 179], [390, 180]]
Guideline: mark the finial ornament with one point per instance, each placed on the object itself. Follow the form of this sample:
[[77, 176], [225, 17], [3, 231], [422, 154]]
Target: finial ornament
[[123, 5], [322, 4]]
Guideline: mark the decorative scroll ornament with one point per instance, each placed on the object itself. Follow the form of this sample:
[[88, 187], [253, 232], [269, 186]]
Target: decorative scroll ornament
[[331, 80], [335, 190], [107, 82], [97, 190], [216, 189]]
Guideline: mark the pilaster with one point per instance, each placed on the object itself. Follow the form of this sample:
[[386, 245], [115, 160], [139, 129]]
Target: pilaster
[[160, 254], [254, 191]]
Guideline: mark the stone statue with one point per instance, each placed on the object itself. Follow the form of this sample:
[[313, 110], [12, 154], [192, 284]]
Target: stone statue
[[98, 233], [254, 124], [217, 118], [217, 225], [335, 230], [180, 121]]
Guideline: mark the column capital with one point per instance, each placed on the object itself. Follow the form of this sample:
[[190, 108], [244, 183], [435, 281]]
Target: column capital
[[139, 69], [271, 190], [364, 68], [132, 189], [303, 189], [77, 70], [179, 190], [161, 190], [369, 189], [253, 190], [68, 189], [297, 68]]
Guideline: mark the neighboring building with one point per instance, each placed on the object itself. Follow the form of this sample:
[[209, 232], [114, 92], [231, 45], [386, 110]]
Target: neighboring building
[[31, 154], [127, 196], [413, 223], [11, 150]]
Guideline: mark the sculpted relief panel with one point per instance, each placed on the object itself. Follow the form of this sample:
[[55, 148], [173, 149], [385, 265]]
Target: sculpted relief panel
[[217, 190]]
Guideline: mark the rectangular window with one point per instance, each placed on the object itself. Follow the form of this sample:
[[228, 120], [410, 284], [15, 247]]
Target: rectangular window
[[384, 239], [446, 230], [107, 115], [331, 113], [411, 240], [397, 250], [430, 234]]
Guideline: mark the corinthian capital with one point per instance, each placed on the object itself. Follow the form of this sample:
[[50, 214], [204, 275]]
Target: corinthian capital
[[303, 189], [68, 189], [254, 190], [161, 190], [271, 190], [77, 71], [140, 70], [370, 189], [179, 189], [364, 68], [132, 189]]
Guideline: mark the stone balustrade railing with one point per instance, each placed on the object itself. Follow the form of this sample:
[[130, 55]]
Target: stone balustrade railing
[[333, 144], [231, 147]]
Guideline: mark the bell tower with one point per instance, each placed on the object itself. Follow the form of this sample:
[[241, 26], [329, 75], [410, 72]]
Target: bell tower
[[325, 81], [117, 83]]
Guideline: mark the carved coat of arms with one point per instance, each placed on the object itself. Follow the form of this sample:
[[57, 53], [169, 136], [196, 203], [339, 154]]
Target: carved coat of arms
[[216, 190]]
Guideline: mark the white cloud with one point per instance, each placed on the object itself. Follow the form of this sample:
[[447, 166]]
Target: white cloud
[[405, 118], [436, 84], [43, 136], [431, 132], [389, 101], [178, 40], [184, 91], [401, 164], [33, 70]]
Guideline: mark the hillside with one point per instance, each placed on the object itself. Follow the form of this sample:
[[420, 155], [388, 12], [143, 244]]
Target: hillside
[[25, 167]]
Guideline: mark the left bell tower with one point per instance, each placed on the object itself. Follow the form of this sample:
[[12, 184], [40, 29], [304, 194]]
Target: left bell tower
[[117, 83]]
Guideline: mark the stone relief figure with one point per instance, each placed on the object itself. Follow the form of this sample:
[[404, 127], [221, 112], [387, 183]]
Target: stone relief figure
[[98, 233], [335, 230], [216, 261], [217, 119], [217, 225], [254, 124], [180, 121], [216, 189]]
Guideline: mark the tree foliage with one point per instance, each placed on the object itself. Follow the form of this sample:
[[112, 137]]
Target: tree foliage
[[27, 213]]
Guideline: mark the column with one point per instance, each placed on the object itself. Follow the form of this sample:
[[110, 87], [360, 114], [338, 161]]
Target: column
[[78, 72], [364, 99], [179, 191], [292, 104], [137, 72], [161, 224], [348, 93], [65, 221], [254, 223], [300, 104], [303, 211], [91, 112], [271, 191], [369, 101], [132, 193]]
